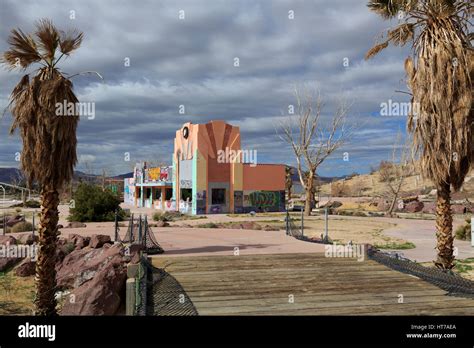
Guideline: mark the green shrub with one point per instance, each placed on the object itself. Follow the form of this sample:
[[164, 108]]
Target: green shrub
[[23, 226], [32, 204], [92, 204], [208, 225], [167, 216], [464, 232]]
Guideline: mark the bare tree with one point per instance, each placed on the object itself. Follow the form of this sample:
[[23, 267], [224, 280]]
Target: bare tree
[[394, 173], [311, 138]]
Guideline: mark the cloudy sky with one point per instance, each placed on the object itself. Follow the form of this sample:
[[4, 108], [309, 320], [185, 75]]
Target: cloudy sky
[[190, 61]]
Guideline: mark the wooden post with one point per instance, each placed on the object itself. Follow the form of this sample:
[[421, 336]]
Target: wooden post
[[130, 299], [163, 194]]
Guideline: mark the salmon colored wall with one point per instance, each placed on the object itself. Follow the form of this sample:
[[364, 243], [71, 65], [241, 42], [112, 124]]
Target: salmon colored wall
[[264, 177]]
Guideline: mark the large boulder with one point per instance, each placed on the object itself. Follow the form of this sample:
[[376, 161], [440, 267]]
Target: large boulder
[[97, 277], [12, 221], [78, 241], [8, 262], [414, 207], [98, 240], [26, 268], [102, 295], [382, 205], [27, 238], [7, 240], [459, 209], [82, 265], [429, 208], [76, 224]]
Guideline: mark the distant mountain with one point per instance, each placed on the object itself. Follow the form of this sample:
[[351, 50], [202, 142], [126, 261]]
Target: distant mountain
[[7, 174], [123, 176]]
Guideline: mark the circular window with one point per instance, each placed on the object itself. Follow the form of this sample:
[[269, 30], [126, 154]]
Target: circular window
[[185, 132]]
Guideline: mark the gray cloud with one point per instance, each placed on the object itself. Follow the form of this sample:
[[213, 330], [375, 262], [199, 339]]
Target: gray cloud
[[190, 62]]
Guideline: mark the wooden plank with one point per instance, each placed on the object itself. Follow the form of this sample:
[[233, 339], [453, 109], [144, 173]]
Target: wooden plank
[[261, 284]]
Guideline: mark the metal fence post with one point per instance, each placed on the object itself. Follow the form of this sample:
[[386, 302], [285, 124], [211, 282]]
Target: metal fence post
[[326, 218], [302, 222], [116, 226], [472, 231], [4, 224], [140, 229], [33, 223], [131, 229]]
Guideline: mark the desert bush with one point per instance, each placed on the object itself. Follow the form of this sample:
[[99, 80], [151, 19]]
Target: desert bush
[[208, 225], [464, 232], [92, 204], [32, 204], [167, 216], [23, 226]]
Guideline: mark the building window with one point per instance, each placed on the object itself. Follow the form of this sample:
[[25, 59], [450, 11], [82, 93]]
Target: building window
[[168, 194], [218, 196]]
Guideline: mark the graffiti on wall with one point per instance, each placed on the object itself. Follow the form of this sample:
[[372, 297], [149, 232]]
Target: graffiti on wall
[[263, 201], [201, 202], [158, 174], [238, 202], [186, 184]]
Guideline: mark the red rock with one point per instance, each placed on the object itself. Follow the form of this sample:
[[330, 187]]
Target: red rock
[[7, 240], [459, 209], [76, 224], [102, 295], [97, 240], [8, 262], [14, 220], [27, 238], [414, 207], [78, 241], [82, 265], [26, 268], [162, 223], [429, 208]]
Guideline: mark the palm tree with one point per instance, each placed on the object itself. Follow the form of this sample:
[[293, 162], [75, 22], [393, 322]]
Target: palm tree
[[439, 75], [49, 140]]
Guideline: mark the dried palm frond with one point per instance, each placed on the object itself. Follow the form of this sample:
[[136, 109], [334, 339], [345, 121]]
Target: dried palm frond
[[401, 34], [48, 38], [70, 41], [22, 52], [376, 49]]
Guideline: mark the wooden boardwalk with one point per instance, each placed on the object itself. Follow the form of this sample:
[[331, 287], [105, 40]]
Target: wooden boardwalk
[[266, 285]]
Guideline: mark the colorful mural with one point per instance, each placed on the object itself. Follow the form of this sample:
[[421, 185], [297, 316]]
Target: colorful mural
[[201, 202], [263, 201]]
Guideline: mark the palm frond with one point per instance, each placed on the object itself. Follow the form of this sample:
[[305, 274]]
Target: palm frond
[[22, 52], [390, 8], [376, 49], [402, 34], [48, 38], [70, 41]]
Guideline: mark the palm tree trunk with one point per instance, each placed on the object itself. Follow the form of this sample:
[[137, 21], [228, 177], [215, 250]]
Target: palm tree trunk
[[444, 228], [45, 300]]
